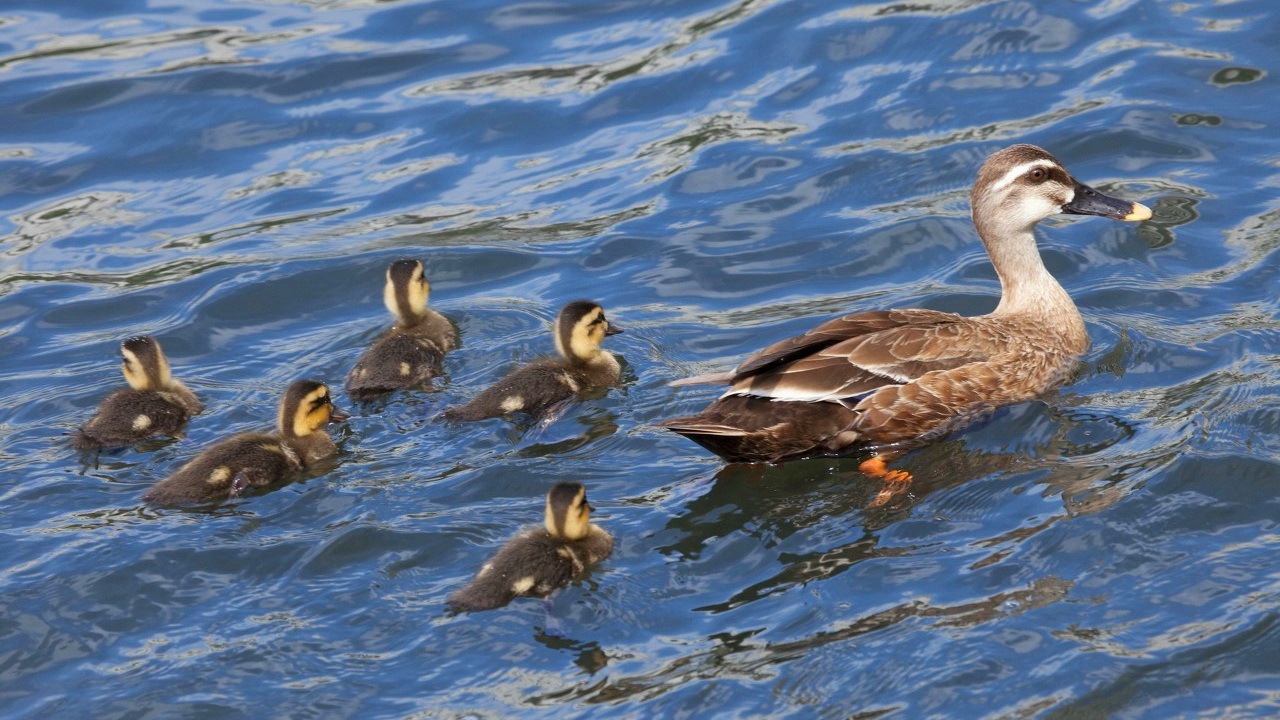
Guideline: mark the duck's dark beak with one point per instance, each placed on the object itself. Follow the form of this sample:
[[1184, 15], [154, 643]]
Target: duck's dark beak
[[1091, 202], [336, 415], [612, 330]]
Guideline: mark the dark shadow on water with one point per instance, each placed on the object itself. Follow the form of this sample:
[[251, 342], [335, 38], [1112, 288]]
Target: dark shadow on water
[[772, 502], [587, 655]]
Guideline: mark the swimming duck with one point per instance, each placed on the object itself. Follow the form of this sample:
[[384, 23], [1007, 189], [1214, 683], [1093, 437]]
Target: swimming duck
[[540, 559], [535, 388], [887, 380], [412, 351], [155, 403], [253, 459]]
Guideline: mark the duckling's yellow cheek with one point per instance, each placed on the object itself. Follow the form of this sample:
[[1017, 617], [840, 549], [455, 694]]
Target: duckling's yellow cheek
[[523, 585], [219, 476], [142, 422]]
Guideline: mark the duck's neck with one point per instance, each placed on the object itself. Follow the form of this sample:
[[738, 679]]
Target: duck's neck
[[1027, 290]]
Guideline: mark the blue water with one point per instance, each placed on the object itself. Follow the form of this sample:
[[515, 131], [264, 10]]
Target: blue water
[[234, 176]]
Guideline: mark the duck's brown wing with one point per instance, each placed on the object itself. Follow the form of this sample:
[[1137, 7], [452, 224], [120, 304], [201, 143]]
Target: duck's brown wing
[[830, 333], [847, 358]]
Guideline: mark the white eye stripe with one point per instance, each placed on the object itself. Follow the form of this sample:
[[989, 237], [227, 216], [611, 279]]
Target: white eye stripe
[[1017, 171]]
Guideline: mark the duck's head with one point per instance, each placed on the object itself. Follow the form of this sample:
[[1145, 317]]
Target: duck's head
[[568, 512], [580, 328], [145, 367], [1021, 185], [407, 291], [305, 408]]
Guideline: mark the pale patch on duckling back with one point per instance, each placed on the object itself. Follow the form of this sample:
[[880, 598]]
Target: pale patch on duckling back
[[523, 585], [219, 476], [512, 404], [567, 553], [142, 422], [405, 369]]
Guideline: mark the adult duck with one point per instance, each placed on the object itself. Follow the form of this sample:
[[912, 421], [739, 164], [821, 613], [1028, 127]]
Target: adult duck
[[888, 380]]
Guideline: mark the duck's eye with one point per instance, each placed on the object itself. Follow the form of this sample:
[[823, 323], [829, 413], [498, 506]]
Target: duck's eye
[[1037, 174]]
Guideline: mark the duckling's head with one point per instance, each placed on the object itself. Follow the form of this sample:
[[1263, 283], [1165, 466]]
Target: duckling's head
[[568, 512], [407, 291], [145, 367], [305, 408], [1021, 185], [580, 329]]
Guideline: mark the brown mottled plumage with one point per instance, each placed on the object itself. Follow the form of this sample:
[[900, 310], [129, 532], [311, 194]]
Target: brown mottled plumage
[[412, 352], [535, 388], [540, 560], [155, 403], [252, 459], [889, 379]]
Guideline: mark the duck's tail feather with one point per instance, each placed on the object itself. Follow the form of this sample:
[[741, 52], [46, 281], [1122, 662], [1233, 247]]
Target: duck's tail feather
[[743, 428], [720, 378]]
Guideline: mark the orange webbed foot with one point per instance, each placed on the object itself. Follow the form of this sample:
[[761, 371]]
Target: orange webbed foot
[[896, 482]]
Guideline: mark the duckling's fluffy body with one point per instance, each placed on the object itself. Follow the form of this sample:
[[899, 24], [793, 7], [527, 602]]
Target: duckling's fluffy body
[[155, 403], [539, 560], [255, 459], [537, 387], [411, 353], [403, 358], [540, 385]]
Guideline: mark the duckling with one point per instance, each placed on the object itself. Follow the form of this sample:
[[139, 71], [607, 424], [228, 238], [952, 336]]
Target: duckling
[[252, 459], [411, 353], [540, 560], [535, 388], [155, 403], [888, 380]]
